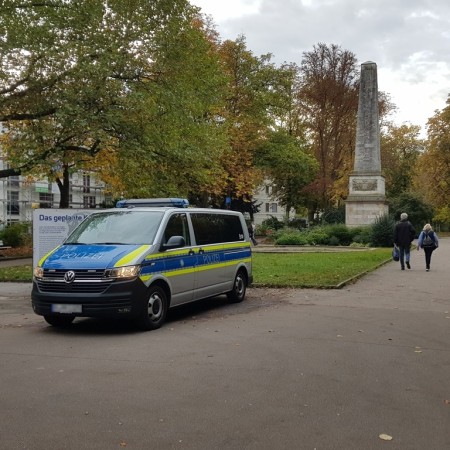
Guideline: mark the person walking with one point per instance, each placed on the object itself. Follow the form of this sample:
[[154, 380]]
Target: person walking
[[429, 241], [251, 232], [404, 234]]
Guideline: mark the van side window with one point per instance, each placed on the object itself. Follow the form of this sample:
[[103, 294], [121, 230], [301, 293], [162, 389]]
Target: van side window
[[177, 226], [216, 228]]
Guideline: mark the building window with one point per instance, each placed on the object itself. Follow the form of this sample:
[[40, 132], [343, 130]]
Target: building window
[[14, 181], [271, 207], [86, 184], [89, 201], [45, 200], [13, 207], [268, 190]]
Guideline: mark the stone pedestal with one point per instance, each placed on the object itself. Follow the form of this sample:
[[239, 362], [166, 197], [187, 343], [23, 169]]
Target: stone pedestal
[[366, 200]]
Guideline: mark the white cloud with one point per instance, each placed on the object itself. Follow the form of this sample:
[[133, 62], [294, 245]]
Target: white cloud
[[408, 39]]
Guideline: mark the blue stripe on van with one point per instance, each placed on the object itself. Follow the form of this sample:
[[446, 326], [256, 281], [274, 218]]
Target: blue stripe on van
[[185, 263]]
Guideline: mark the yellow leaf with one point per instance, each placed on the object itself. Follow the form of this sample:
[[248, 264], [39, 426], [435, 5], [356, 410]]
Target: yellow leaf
[[385, 437]]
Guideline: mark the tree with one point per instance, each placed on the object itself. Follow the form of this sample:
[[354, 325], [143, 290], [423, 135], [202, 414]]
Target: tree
[[288, 166], [433, 166], [400, 148], [419, 212], [245, 118], [328, 99], [82, 78]]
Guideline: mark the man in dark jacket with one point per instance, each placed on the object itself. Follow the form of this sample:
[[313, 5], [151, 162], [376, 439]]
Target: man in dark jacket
[[404, 234]]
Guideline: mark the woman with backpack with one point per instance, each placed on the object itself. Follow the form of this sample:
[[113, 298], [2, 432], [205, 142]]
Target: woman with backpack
[[429, 241]]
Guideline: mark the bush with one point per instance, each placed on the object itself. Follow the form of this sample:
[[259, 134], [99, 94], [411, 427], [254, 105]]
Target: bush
[[299, 224], [334, 241], [334, 215], [16, 235], [383, 231], [296, 238], [317, 237], [273, 223], [340, 233], [361, 235]]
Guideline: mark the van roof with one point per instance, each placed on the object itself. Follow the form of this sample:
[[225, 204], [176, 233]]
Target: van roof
[[153, 202]]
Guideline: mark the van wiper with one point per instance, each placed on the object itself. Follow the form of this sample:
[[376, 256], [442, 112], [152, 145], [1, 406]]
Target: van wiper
[[74, 243], [106, 243]]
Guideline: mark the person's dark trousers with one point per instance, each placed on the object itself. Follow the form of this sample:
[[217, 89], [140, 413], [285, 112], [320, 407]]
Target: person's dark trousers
[[405, 254], [428, 251]]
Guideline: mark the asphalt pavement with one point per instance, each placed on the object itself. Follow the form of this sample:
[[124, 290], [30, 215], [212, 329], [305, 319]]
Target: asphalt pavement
[[363, 367]]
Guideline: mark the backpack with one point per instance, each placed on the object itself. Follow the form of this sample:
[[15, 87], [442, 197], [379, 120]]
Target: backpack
[[428, 240]]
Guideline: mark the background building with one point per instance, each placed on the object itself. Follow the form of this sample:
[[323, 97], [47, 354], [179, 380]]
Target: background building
[[18, 196], [270, 206]]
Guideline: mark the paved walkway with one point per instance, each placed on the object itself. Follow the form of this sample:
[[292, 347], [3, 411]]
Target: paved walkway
[[287, 368]]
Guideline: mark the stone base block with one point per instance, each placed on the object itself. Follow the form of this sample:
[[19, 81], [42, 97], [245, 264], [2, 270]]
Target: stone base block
[[364, 212]]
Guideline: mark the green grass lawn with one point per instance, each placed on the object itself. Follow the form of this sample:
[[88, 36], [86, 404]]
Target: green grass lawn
[[319, 270]]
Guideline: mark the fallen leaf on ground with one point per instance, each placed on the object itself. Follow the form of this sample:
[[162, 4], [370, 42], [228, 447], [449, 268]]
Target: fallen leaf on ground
[[385, 437]]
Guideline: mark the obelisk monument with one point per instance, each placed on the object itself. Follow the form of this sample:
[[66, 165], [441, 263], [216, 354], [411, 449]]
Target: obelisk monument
[[366, 200]]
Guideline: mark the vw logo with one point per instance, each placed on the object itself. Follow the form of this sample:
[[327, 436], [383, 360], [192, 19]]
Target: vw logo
[[69, 276]]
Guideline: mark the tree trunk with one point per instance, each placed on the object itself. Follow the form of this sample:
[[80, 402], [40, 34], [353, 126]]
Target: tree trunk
[[64, 186]]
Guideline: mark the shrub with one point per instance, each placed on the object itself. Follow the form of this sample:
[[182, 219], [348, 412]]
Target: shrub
[[297, 223], [273, 223], [340, 233], [383, 231], [334, 215], [361, 235], [334, 241], [15, 235], [291, 239], [317, 237]]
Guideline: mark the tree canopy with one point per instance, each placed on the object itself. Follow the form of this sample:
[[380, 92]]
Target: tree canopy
[[147, 96], [81, 78]]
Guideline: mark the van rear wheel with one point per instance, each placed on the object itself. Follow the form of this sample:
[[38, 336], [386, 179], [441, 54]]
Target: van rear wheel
[[237, 294], [155, 309]]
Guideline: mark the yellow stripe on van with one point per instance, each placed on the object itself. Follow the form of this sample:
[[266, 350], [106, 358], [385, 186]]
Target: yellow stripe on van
[[172, 273], [128, 259], [41, 261]]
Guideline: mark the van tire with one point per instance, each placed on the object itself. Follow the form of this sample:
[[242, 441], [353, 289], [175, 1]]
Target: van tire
[[59, 320], [237, 294], [155, 309]]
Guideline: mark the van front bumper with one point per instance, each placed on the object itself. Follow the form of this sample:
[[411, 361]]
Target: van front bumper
[[116, 299]]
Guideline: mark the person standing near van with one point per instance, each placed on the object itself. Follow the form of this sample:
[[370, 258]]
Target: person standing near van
[[404, 234], [428, 240], [251, 232]]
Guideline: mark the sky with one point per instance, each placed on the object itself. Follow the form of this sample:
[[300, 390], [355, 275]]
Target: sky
[[409, 40]]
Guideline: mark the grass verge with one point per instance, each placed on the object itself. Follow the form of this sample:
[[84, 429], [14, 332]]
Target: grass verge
[[300, 270], [315, 270], [16, 273]]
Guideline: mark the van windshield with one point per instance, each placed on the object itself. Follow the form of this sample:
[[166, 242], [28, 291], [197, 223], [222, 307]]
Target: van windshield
[[117, 227]]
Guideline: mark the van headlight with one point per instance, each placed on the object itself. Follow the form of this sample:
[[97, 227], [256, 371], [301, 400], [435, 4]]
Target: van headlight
[[123, 272], [38, 272]]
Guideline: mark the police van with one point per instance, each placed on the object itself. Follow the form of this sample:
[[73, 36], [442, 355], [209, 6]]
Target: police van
[[137, 261]]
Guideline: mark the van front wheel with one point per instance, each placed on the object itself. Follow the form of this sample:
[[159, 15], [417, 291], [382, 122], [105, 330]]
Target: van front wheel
[[237, 294], [155, 309]]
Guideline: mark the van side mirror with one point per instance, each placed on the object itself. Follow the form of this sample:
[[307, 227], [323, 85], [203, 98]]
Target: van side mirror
[[174, 242]]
